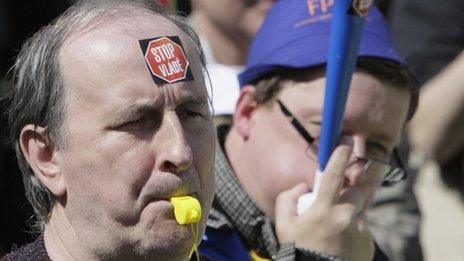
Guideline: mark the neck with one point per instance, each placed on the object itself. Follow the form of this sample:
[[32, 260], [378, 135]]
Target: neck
[[60, 238], [227, 46]]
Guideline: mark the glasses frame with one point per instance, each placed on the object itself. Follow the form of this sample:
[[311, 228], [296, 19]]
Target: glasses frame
[[392, 177]]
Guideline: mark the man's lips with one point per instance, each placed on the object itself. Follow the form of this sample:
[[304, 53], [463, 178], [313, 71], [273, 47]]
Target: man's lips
[[165, 187], [172, 195], [166, 204]]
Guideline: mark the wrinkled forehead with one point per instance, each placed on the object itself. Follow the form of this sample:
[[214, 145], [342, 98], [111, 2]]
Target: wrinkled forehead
[[126, 18], [121, 30], [105, 64], [111, 46]]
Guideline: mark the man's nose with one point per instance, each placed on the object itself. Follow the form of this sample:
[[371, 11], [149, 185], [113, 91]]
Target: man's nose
[[174, 152], [355, 171]]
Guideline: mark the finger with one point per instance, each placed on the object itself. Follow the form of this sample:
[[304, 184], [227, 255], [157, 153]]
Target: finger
[[334, 175], [343, 217], [365, 235], [286, 202], [353, 196], [362, 223]]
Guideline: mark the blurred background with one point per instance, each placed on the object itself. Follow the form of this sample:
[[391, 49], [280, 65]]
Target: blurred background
[[430, 36]]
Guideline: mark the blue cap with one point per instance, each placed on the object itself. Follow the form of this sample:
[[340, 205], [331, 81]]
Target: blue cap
[[296, 34]]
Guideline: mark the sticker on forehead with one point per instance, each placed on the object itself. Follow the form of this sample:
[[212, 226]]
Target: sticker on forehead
[[166, 59]]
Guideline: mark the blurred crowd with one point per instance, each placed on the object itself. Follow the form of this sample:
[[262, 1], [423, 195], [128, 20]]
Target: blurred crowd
[[430, 37]]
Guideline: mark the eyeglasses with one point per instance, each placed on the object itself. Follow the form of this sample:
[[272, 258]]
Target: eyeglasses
[[389, 174]]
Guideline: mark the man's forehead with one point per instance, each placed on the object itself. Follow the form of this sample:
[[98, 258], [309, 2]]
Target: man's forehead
[[371, 106], [118, 37], [138, 24], [305, 97], [109, 57]]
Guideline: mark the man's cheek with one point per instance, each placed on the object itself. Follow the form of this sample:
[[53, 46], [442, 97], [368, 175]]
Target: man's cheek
[[293, 172], [208, 190], [203, 160], [204, 168]]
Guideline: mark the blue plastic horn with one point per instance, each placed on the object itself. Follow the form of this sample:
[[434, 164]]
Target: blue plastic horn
[[345, 37]]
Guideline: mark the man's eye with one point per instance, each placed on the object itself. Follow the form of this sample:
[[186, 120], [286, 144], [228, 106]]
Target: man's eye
[[132, 123], [193, 114], [377, 151]]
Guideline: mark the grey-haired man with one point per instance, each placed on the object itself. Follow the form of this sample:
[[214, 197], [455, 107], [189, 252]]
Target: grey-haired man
[[110, 118]]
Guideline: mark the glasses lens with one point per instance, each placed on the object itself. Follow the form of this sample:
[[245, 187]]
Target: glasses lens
[[387, 174], [394, 176], [376, 168]]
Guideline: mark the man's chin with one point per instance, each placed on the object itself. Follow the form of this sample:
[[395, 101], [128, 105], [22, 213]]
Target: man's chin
[[159, 232], [168, 241]]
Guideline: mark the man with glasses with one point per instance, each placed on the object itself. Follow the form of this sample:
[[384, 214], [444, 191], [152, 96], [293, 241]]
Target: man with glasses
[[389, 174], [268, 157]]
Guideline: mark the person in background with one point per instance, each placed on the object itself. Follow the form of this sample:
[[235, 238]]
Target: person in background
[[436, 133], [267, 158], [424, 22], [443, 97], [226, 28]]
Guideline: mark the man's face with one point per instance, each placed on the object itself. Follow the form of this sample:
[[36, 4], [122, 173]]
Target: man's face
[[374, 118], [236, 16], [132, 144]]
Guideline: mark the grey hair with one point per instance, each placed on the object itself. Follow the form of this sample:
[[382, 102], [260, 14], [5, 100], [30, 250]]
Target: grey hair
[[36, 93]]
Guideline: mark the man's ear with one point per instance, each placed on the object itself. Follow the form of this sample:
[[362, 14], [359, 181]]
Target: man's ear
[[244, 109], [42, 156]]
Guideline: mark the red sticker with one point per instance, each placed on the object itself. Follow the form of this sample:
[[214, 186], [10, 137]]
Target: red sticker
[[166, 59], [361, 7]]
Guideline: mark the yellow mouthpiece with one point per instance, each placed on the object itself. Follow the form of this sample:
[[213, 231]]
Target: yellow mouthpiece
[[187, 210]]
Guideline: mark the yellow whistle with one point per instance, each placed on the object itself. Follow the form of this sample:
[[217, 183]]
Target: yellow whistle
[[187, 210]]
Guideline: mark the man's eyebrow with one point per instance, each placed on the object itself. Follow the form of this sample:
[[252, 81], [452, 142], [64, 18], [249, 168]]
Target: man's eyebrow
[[129, 110], [195, 99], [139, 107]]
